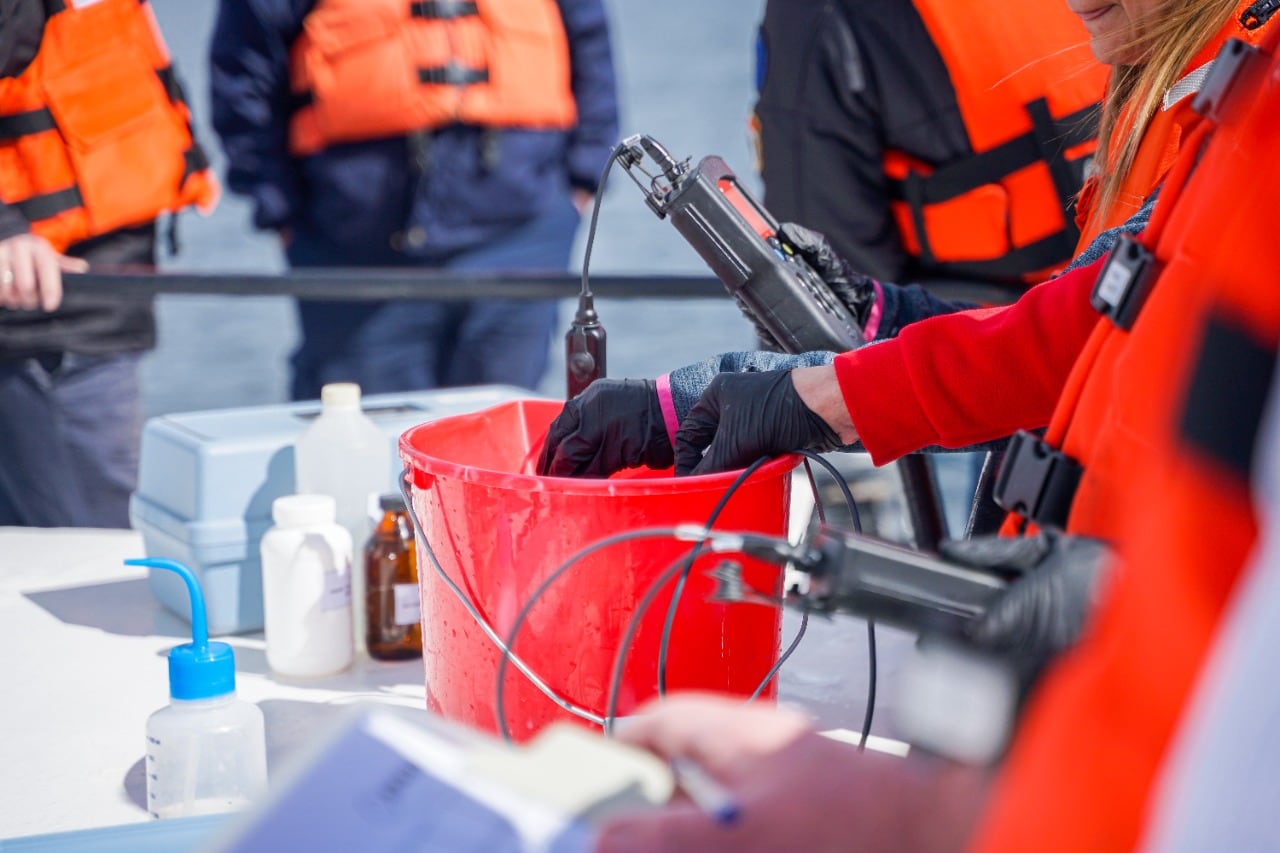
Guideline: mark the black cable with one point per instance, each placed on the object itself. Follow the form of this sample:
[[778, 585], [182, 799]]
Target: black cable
[[852, 505], [795, 642], [479, 618], [595, 215], [871, 685], [664, 642], [508, 652], [869, 713]]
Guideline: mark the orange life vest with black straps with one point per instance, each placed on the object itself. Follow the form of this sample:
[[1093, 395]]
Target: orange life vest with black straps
[[95, 133], [1069, 479], [368, 69], [1081, 770], [1004, 212]]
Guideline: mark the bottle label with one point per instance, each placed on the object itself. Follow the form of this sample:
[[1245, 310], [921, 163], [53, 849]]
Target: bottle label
[[408, 611], [337, 589]]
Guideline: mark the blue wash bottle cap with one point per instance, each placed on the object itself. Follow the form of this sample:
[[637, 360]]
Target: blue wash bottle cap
[[199, 669]]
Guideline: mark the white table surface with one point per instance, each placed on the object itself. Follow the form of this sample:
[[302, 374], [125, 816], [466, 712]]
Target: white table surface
[[83, 665]]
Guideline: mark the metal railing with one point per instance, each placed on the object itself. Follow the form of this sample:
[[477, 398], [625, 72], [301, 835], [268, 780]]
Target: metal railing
[[392, 283]]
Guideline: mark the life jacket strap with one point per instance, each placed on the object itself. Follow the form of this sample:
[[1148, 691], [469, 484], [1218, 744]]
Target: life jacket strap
[[25, 124], [49, 205]]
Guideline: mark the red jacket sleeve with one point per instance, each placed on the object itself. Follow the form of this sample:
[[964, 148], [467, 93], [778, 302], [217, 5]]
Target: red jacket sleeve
[[969, 377]]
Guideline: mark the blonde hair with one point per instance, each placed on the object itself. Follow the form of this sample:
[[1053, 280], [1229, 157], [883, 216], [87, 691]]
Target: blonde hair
[[1166, 40]]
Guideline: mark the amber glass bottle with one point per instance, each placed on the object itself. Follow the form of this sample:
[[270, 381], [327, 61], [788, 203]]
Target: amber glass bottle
[[394, 629]]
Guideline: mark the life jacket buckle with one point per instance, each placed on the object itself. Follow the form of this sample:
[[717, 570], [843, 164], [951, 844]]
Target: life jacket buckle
[[442, 10], [1233, 59], [1125, 282], [453, 73], [1037, 481]]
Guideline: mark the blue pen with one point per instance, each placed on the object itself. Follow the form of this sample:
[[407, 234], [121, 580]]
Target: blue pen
[[707, 794]]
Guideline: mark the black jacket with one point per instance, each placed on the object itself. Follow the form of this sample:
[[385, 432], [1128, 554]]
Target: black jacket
[[842, 82]]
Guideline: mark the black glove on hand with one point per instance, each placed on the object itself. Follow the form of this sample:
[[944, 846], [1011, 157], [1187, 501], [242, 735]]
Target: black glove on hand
[[743, 416], [855, 290], [614, 424], [1045, 608]]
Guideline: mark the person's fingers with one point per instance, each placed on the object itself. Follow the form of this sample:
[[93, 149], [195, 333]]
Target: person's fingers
[[695, 434], [711, 463], [48, 273], [8, 295], [714, 731], [676, 827], [814, 248], [565, 424], [23, 268], [582, 456], [66, 263]]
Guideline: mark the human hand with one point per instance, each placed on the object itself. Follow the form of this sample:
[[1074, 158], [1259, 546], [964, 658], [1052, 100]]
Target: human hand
[[741, 417], [855, 290], [614, 424], [1044, 610], [794, 789], [31, 273], [582, 200]]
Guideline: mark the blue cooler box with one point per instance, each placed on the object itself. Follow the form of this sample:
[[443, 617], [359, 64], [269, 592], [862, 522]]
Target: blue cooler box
[[207, 479]]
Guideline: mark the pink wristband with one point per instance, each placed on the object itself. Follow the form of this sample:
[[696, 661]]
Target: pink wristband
[[668, 407]]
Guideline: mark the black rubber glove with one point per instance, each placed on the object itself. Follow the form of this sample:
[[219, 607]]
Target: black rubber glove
[[614, 424], [1044, 610], [741, 417], [855, 290]]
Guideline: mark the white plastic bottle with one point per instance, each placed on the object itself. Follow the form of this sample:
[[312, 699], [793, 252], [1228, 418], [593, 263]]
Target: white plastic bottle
[[206, 751], [345, 455], [306, 588]]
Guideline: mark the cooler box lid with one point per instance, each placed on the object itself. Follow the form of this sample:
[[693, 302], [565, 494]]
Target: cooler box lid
[[232, 463]]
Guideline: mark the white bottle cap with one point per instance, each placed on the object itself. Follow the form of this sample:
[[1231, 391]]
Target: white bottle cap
[[340, 395], [303, 510]]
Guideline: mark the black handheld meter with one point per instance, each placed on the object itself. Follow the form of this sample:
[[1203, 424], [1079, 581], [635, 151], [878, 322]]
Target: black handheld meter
[[739, 241], [900, 586]]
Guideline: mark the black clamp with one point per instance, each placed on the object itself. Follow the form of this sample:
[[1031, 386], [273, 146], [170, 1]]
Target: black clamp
[[453, 74], [1125, 282], [442, 10], [1036, 481], [1233, 59]]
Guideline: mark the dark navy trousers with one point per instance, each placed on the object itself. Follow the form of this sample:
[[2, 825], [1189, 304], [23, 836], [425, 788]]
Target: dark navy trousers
[[419, 345], [69, 440]]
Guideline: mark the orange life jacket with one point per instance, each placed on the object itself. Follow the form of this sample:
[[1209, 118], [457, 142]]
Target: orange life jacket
[[1003, 212], [95, 134], [366, 69], [1080, 772], [1091, 435]]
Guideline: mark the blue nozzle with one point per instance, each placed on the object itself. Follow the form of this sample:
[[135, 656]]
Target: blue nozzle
[[199, 627], [199, 669]]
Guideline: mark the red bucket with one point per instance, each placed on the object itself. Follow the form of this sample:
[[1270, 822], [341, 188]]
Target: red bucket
[[498, 530]]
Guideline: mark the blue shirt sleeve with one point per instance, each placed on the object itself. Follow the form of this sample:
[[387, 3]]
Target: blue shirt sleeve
[[688, 382], [249, 88], [594, 91]]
